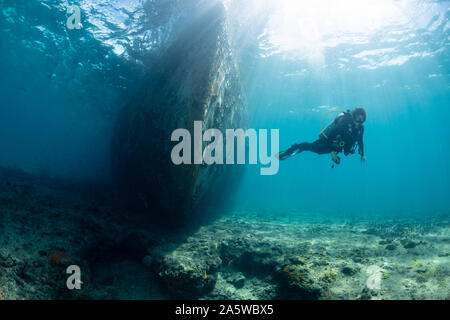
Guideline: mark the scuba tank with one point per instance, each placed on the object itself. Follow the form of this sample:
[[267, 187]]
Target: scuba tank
[[338, 142], [325, 132]]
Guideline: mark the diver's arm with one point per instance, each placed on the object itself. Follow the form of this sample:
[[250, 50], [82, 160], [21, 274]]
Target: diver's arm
[[361, 145]]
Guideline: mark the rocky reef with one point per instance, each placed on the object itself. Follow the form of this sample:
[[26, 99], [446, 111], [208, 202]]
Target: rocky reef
[[249, 256], [47, 225], [197, 79]]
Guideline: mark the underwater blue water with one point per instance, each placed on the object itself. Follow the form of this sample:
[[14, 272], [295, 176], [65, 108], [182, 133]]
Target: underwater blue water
[[400, 75], [61, 90]]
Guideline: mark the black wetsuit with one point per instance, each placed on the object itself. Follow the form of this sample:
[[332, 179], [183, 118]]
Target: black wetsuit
[[340, 135]]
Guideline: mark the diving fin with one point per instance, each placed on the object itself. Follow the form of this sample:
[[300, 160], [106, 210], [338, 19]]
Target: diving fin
[[283, 155]]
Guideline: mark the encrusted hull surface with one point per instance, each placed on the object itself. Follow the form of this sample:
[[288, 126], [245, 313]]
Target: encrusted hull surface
[[196, 80]]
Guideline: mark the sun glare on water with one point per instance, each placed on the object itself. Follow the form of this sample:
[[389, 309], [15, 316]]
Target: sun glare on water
[[306, 28]]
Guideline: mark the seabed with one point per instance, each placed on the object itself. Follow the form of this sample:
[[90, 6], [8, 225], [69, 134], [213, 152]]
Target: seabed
[[47, 225]]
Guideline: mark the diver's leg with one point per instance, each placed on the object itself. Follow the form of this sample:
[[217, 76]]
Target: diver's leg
[[322, 146], [319, 147]]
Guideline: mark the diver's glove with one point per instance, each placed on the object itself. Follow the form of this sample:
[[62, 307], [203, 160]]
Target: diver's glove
[[336, 159]]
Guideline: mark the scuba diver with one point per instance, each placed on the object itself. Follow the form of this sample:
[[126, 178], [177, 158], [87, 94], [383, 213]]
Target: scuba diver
[[343, 134]]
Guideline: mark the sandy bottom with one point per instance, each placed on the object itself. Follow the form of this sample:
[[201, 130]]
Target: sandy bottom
[[46, 225]]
